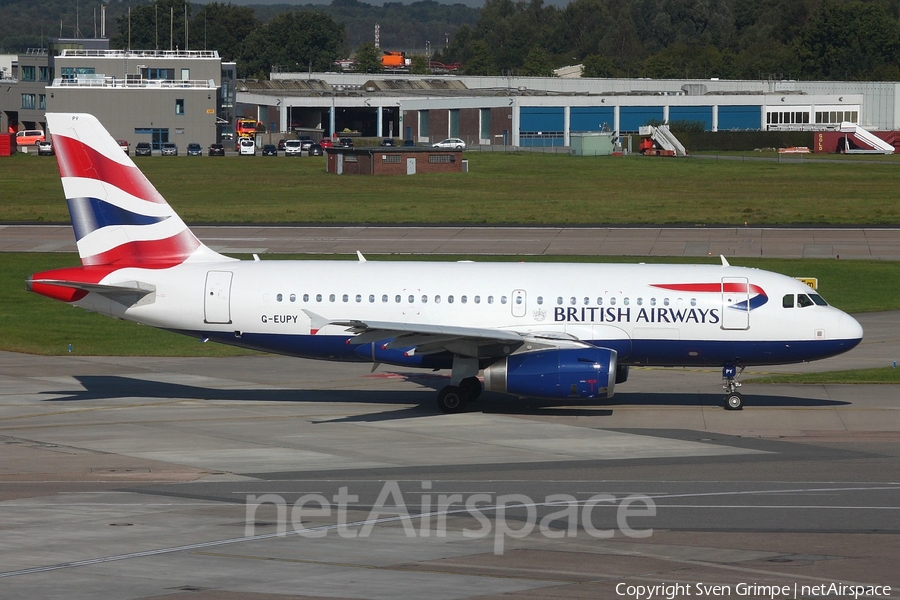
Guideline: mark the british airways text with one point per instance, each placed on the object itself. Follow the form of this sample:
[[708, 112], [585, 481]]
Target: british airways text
[[612, 314]]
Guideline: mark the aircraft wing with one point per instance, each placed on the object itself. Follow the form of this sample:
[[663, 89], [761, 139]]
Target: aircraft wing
[[476, 342]]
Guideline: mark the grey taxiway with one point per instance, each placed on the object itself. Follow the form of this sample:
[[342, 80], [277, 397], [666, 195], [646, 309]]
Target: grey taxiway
[[129, 477]]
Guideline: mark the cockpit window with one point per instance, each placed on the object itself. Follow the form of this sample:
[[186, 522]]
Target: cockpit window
[[803, 301], [819, 300], [788, 301]]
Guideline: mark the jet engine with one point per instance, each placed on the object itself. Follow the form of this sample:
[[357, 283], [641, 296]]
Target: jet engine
[[562, 373]]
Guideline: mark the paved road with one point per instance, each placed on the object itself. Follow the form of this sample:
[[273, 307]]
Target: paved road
[[849, 243], [141, 477]]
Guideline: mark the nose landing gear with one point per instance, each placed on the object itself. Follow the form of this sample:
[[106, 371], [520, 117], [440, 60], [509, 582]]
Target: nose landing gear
[[733, 399]]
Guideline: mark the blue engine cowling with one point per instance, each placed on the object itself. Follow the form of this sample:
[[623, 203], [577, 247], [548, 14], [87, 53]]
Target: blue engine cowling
[[564, 373]]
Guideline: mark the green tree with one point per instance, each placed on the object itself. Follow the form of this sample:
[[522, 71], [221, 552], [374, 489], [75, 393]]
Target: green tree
[[479, 61], [597, 65], [295, 40], [368, 58], [157, 26], [419, 65], [849, 41], [222, 27], [537, 63]]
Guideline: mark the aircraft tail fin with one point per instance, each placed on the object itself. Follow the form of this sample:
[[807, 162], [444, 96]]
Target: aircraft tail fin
[[119, 218]]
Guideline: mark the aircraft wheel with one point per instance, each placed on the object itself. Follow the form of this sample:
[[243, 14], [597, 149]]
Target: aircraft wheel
[[734, 401], [471, 387], [451, 399]]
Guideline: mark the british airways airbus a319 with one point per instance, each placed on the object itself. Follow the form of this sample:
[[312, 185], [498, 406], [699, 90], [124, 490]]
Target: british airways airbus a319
[[541, 330]]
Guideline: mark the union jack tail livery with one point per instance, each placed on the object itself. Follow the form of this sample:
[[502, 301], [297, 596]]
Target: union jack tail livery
[[559, 331], [118, 216]]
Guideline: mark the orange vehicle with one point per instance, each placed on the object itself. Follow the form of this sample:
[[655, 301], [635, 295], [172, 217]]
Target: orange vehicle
[[245, 127], [394, 60]]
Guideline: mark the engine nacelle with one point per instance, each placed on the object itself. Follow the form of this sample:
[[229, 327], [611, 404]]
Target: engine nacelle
[[564, 373]]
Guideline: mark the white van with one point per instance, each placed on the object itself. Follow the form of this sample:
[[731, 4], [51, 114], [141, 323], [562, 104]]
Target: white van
[[246, 146]]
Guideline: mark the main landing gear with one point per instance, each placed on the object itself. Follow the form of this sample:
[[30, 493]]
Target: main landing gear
[[733, 399], [454, 398], [464, 386]]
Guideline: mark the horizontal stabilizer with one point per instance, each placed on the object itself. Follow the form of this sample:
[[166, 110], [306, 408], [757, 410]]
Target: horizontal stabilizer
[[127, 293]]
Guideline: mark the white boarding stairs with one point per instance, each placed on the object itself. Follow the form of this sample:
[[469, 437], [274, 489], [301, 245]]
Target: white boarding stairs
[[663, 136], [877, 145]]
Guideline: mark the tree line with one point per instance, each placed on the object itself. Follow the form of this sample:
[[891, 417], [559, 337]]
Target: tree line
[[734, 39]]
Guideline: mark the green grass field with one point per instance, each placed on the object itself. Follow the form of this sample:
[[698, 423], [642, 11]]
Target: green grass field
[[34, 324], [501, 188]]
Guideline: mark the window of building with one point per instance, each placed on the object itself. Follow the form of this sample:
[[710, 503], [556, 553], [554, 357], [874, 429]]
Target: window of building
[[441, 158], [42, 101], [179, 106], [27, 100], [27, 73], [391, 158]]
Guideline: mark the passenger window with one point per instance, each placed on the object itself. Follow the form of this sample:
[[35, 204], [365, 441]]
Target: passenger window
[[278, 297], [599, 301], [540, 300], [652, 301], [625, 301], [463, 299], [490, 299], [306, 297], [318, 297], [359, 298], [803, 301], [293, 297], [559, 300], [502, 299], [331, 297], [612, 301], [412, 298], [693, 302], [371, 298], [640, 301], [477, 299], [437, 299], [788, 301], [424, 299], [450, 299], [384, 298], [345, 298], [665, 302], [518, 299], [397, 298], [587, 300]]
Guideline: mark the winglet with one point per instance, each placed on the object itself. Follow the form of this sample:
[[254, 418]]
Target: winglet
[[724, 262]]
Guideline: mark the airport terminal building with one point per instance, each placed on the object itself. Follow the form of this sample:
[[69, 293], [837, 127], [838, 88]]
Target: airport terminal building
[[192, 96]]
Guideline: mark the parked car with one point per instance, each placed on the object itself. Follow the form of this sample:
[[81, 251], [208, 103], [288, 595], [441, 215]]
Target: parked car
[[270, 150], [454, 143], [293, 148], [346, 142], [388, 142], [169, 149], [45, 148], [408, 144], [315, 150], [123, 144], [216, 150], [326, 143], [194, 149], [246, 147], [305, 141], [143, 149], [281, 144], [29, 137]]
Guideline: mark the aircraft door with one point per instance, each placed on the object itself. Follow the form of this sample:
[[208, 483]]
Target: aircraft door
[[735, 303], [217, 297], [519, 307]]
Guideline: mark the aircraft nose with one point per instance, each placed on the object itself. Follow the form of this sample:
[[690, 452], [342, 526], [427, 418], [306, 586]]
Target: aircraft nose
[[849, 328]]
